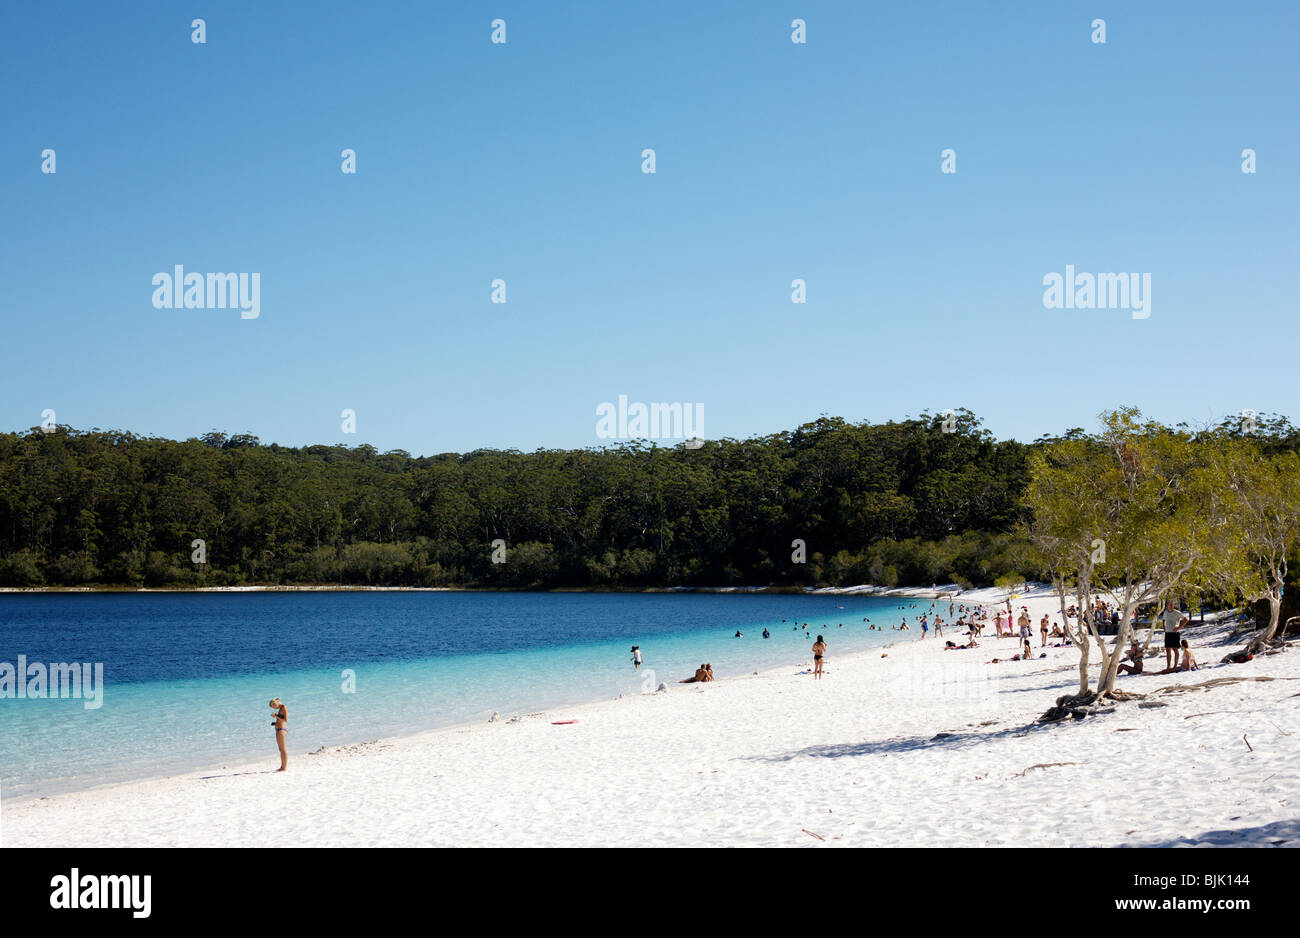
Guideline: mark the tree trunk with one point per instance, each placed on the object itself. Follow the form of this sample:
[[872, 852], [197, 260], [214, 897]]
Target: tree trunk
[[1083, 662], [1274, 613], [1109, 671], [1084, 601], [1080, 637]]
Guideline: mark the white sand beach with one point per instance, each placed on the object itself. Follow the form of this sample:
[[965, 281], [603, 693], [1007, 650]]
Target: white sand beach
[[919, 747]]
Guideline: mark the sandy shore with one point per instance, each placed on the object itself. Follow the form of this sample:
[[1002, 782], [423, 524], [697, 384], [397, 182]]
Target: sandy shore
[[919, 747]]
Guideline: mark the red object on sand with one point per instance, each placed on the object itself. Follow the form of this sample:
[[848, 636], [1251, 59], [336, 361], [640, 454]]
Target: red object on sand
[[562, 722]]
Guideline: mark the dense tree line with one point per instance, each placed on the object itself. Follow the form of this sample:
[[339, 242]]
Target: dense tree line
[[917, 501]]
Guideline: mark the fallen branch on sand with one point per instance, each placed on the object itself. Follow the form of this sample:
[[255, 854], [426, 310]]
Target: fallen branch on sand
[[1211, 713], [1042, 765], [811, 834], [1216, 682]]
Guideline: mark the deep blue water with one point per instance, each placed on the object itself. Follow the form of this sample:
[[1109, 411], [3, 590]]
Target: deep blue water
[[187, 675]]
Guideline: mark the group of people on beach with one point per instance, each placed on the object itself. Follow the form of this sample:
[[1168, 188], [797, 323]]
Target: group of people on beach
[[1178, 653]]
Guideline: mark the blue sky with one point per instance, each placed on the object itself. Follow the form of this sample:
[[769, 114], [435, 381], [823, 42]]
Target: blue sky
[[522, 161]]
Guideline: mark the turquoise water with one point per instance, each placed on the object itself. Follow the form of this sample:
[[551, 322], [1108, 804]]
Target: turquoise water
[[187, 675]]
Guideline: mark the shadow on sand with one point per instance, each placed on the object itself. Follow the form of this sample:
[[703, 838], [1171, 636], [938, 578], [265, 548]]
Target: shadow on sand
[[908, 744], [204, 778], [1276, 834]]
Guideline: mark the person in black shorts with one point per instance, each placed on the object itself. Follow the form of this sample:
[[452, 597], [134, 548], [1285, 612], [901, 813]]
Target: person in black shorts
[[1173, 621]]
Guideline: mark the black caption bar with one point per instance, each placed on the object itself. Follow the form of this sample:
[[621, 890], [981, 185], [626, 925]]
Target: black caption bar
[[144, 887]]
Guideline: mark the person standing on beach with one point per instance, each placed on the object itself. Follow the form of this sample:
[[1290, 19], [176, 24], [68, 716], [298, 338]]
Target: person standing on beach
[[636, 657], [1173, 621], [1042, 629], [925, 626], [819, 652], [1023, 622], [280, 723]]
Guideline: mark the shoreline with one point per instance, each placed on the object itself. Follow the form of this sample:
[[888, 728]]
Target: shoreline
[[914, 592], [887, 750], [988, 597], [427, 734]]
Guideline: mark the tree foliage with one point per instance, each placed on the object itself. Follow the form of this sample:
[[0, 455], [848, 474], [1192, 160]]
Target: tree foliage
[[901, 502]]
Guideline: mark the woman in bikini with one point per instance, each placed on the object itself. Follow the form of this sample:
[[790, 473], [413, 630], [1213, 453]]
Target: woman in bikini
[[280, 723], [819, 650], [1134, 655]]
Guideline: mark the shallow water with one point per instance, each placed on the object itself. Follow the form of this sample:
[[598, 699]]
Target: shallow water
[[187, 676]]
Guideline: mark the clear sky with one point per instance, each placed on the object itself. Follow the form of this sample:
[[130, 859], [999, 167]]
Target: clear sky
[[522, 161]]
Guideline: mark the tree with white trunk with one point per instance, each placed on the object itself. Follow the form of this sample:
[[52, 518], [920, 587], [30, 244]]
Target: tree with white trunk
[[1118, 512]]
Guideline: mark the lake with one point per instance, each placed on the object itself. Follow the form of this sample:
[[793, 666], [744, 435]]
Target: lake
[[187, 676]]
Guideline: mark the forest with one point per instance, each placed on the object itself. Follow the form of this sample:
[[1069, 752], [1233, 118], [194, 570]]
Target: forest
[[912, 502]]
